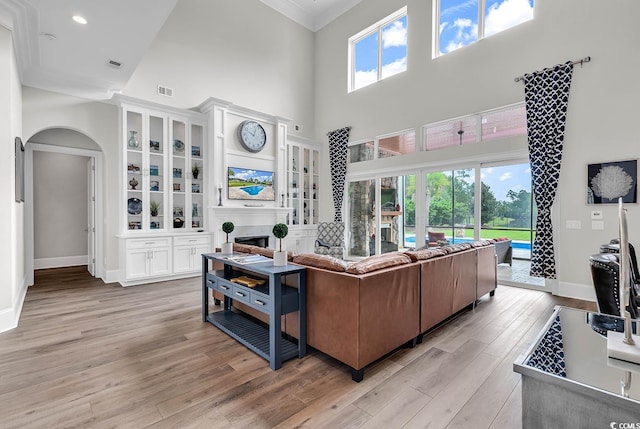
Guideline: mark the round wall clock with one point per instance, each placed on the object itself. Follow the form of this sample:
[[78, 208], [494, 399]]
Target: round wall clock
[[252, 136]]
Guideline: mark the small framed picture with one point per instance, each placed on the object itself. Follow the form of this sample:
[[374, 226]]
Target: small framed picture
[[176, 187], [177, 172], [153, 170], [154, 145], [195, 188], [177, 211], [195, 151], [608, 181]]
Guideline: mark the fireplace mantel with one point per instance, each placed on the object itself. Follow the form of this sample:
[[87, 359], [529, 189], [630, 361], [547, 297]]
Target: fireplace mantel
[[253, 220]]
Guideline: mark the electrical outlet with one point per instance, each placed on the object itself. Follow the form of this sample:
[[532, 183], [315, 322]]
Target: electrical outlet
[[297, 127], [597, 224]]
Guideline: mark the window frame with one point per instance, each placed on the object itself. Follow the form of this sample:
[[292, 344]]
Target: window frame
[[378, 27], [482, 5]]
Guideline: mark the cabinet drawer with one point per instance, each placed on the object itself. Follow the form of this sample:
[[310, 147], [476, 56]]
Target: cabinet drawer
[[141, 243], [224, 286], [192, 240], [259, 300], [297, 233], [241, 294], [212, 281]]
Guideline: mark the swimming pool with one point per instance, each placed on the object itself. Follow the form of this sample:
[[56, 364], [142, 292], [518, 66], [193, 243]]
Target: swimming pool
[[410, 241]]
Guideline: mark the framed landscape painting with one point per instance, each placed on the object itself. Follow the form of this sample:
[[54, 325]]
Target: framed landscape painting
[[608, 181]]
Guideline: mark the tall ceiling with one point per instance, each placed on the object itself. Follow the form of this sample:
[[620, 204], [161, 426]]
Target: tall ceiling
[[97, 59]]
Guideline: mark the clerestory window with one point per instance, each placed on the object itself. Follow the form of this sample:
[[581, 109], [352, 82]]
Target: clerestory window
[[459, 23], [378, 51]]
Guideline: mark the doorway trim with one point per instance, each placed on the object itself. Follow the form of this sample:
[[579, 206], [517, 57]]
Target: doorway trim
[[29, 215]]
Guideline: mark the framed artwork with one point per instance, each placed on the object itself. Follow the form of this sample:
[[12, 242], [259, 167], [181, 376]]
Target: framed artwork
[[19, 170], [608, 181]]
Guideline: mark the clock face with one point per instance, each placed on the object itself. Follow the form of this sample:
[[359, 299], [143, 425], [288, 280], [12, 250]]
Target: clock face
[[252, 136]]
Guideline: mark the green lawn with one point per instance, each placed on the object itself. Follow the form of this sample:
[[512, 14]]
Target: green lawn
[[513, 234]]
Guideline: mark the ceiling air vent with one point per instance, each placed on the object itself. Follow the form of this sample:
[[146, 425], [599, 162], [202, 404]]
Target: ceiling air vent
[[114, 64], [163, 90]]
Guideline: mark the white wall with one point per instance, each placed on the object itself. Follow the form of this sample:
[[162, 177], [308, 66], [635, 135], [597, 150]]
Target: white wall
[[240, 51], [60, 209], [602, 111], [12, 283], [44, 110]]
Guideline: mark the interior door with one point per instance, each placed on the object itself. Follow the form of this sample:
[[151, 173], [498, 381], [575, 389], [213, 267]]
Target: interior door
[[91, 214]]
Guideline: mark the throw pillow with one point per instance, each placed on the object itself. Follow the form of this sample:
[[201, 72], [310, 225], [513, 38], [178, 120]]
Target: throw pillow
[[322, 243], [378, 262], [428, 253], [321, 261]]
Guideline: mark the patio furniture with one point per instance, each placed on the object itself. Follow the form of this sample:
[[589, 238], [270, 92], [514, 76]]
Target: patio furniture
[[504, 251]]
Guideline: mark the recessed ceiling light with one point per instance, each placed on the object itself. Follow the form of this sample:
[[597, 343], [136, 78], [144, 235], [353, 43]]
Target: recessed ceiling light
[[79, 19]]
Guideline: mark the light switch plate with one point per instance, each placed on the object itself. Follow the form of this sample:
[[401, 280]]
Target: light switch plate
[[597, 224], [574, 224], [596, 215]]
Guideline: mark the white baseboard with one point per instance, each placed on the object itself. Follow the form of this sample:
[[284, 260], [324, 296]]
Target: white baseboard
[[112, 276], [577, 290], [65, 261], [10, 316]]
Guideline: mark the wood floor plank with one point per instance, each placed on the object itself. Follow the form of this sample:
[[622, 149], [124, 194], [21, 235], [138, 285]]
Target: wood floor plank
[[90, 355]]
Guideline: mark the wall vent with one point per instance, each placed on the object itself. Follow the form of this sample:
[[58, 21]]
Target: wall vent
[[163, 90], [114, 63]]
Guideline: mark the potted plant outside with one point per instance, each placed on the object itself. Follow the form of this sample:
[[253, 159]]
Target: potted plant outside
[[280, 231], [227, 247]]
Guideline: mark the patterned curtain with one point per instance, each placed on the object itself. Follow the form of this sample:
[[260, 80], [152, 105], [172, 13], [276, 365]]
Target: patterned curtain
[[338, 140], [546, 99]]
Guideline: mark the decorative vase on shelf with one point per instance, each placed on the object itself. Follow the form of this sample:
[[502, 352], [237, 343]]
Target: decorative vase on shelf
[[133, 183], [133, 141]]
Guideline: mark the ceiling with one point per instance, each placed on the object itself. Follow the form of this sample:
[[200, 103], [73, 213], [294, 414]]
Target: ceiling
[[57, 54]]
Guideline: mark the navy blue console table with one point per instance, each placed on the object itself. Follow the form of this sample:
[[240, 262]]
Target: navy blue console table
[[272, 298]]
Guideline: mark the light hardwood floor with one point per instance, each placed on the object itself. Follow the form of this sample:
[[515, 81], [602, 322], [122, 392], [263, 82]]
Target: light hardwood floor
[[90, 355]]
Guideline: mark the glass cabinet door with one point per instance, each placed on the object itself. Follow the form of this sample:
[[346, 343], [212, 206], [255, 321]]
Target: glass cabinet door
[[179, 174], [295, 184], [156, 169], [196, 156], [134, 195]]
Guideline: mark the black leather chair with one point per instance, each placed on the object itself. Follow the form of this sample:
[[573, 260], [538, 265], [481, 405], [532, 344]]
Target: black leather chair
[[605, 275], [614, 247]]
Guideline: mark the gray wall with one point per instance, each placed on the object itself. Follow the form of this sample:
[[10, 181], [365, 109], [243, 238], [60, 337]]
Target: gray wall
[[60, 205], [239, 51], [602, 111]]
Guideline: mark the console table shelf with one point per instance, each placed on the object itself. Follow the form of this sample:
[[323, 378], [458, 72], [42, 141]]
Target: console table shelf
[[272, 298], [250, 333]]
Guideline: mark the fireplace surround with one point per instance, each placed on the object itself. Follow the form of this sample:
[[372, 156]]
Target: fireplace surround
[[254, 240]]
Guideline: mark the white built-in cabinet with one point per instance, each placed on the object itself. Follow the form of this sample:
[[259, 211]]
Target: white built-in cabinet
[[303, 193], [163, 191]]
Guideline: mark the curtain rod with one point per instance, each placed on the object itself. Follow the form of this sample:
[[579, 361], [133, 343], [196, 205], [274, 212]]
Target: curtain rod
[[581, 62]]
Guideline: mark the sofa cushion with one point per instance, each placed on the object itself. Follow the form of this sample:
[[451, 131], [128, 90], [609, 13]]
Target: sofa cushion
[[268, 253], [378, 262], [481, 243], [453, 248], [243, 248], [321, 261], [427, 253]]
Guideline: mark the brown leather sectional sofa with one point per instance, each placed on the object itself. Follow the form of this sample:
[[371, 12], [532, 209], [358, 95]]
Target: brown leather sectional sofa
[[360, 312]]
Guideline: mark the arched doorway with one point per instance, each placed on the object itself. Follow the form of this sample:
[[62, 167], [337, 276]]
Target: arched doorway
[[63, 210]]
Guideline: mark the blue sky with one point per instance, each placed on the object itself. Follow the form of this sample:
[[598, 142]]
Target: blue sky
[[509, 177], [459, 20], [394, 53]]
